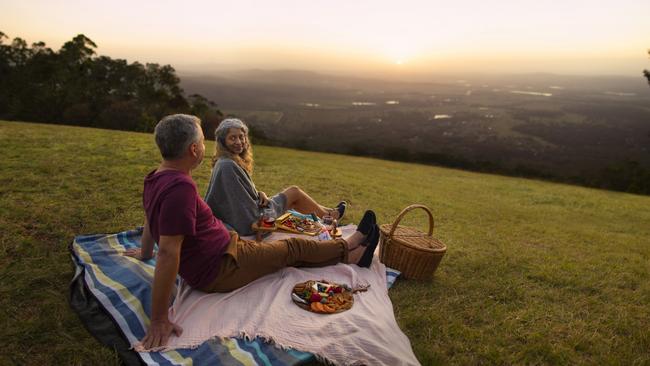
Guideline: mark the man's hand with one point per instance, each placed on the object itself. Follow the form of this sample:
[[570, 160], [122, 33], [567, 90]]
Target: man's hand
[[264, 200], [135, 253], [169, 253], [159, 332]]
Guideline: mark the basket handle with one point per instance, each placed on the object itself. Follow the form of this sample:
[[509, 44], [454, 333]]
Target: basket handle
[[405, 211]]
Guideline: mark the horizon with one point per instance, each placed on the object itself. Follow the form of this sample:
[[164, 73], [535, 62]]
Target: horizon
[[368, 39]]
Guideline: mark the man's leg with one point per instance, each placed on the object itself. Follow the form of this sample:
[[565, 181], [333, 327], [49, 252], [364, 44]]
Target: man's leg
[[255, 260]]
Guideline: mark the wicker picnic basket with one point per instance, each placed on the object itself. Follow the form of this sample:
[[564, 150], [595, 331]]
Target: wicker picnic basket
[[409, 250]]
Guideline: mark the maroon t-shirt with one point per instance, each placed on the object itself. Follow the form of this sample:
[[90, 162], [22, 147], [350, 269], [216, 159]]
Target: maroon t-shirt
[[173, 207]]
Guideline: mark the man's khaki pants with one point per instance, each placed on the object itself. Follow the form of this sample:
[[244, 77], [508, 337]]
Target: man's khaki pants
[[246, 261]]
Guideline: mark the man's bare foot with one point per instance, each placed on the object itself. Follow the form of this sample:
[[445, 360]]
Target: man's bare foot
[[355, 240], [354, 255], [369, 250], [362, 254], [362, 244]]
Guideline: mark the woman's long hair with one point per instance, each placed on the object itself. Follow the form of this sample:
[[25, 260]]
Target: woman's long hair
[[245, 158]]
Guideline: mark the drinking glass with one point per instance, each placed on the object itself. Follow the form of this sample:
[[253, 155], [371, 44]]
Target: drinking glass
[[268, 216], [328, 223]]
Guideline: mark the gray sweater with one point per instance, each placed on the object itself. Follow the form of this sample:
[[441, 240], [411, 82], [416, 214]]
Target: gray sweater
[[232, 196]]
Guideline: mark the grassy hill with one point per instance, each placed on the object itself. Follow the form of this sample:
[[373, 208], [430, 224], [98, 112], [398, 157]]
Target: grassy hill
[[535, 272]]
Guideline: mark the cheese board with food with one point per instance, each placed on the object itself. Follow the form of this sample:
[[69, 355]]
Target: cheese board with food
[[298, 225], [322, 296]]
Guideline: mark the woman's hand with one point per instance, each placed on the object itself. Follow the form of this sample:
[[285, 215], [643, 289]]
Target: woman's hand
[[263, 200]]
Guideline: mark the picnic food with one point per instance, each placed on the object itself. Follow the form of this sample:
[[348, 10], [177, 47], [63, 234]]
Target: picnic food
[[295, 222], [298, 225], [324, 297]]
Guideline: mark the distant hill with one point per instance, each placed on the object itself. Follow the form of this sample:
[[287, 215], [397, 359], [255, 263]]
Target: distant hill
[[315, 79], [592, 131]]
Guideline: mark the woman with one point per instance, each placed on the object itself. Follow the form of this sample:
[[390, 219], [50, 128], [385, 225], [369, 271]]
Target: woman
[[232, 195]]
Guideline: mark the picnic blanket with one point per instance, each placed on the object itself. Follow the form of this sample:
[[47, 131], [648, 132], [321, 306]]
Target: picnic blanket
[[112, 294]]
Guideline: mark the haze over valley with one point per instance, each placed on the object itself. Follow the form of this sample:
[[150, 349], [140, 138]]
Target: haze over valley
[[571, 128]]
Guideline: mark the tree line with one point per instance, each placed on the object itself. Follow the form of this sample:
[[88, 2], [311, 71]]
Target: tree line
[[75, 86]]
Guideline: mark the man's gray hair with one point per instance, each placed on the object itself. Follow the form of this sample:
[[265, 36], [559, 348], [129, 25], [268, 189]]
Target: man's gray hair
[[222, 130], [175, 133]]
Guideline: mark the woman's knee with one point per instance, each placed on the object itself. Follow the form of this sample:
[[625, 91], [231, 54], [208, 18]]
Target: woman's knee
[[293, 189], [293, 193]]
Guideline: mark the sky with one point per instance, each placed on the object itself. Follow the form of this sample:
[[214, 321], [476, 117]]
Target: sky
[[383, 37]]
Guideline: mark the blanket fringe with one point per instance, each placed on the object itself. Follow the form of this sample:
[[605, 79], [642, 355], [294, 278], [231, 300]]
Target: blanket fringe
[[269, 340], [243, 335]]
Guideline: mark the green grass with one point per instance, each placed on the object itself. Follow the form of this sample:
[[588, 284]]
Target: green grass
[[535, 273]]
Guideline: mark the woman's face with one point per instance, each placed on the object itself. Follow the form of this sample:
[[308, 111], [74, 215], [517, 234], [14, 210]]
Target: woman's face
[[236, 141]]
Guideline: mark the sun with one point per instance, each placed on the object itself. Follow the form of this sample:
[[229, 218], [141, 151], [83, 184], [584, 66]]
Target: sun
[[398, 52]]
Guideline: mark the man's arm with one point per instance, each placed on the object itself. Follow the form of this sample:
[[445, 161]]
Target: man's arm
[[146, 245], [147, 241], [169, 251]]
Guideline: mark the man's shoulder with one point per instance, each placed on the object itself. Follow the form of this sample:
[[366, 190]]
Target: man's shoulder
[[182, 181], [171, 180], [180, 191]]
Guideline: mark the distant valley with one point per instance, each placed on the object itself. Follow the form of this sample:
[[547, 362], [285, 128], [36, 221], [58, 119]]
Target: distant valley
[[587, 130]]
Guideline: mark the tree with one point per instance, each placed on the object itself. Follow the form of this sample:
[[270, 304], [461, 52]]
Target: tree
[[75, 86], [208, 112]]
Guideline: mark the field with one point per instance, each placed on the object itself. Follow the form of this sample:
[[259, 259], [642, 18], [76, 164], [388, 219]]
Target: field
[[536, 272]]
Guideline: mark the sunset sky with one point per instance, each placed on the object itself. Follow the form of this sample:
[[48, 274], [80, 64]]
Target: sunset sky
[[570, 36]]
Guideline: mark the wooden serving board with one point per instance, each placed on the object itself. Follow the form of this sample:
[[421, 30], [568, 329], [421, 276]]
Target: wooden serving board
[[259, 230], [280, 225], [335, 303]]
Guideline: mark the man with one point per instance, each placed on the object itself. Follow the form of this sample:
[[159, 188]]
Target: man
[[196, 245]]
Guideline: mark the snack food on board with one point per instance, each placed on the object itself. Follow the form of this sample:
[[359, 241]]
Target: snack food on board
[[323, 297], [298, 225]]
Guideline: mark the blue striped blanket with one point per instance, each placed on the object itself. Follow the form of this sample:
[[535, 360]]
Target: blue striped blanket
[[122, 285]]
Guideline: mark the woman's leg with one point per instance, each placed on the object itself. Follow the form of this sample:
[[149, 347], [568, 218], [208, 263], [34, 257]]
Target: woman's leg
[[300, 201]]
